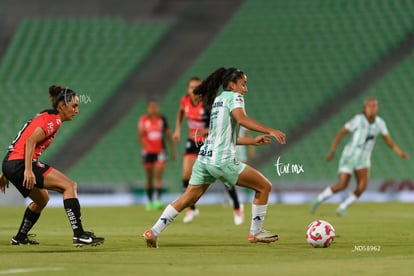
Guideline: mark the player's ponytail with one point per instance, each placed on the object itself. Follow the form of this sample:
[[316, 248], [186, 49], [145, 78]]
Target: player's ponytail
[[209, 87], [58, 94]]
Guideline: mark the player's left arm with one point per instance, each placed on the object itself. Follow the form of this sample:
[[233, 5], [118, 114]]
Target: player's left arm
[[390, 142], [254, 141]]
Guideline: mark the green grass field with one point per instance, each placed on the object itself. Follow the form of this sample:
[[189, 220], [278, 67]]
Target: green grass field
[[213, 245]]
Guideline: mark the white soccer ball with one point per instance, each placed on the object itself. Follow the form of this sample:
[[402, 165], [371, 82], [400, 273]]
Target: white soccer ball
[[320, 233]]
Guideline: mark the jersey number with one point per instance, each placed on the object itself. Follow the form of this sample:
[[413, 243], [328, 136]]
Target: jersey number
[[206, 153]]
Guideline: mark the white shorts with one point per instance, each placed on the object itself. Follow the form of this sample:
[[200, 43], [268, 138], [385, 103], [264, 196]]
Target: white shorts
[[349, 165]]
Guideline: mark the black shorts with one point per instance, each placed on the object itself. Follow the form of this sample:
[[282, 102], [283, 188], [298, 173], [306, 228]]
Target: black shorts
[[192, 147], [14, 171], [151, 159]]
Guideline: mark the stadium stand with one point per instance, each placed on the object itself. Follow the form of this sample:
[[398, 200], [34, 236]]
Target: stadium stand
[[91, 55], [297, 55]]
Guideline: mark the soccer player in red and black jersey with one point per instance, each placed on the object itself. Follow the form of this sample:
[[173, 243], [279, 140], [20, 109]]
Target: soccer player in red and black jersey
[[32, 178], [191, 107], [152, 130]]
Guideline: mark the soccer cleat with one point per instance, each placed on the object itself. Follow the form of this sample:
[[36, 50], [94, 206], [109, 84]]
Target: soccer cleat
[[239, 215], [314, 205], [263, 236], [190, 215], [87, 238], [25, 241], [151, 240], [341, 212]]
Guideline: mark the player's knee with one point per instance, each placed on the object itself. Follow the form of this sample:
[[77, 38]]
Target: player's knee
[[44, 202], [71, 186], [360, 190], [266, 187]]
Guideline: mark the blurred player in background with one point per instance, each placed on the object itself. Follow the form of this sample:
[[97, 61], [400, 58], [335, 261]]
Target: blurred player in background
[[217, 157], [191, 107], [152, 130], [356, 156], [33, 178]]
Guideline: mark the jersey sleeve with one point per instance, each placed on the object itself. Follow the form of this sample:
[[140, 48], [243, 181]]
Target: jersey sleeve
[[46, 124], [352, 124], [183, 102], [236, 102], [383, 127]]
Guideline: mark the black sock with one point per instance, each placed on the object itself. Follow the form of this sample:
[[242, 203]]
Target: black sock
[[29, 219], [233, 194], [72, 208], [185, 183], [149, 194], [159, 192]]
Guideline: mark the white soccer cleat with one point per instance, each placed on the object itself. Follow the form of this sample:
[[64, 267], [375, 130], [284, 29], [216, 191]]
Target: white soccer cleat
[[239, 215], [190, 215]]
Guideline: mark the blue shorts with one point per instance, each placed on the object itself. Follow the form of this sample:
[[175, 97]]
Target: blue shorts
[[228, 172]]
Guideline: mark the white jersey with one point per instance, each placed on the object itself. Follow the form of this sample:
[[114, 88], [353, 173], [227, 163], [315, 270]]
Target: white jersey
[[241, 150], [219, 146], [363, 136]]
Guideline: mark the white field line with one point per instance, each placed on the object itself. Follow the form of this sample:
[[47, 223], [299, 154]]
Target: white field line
[[28, 270]]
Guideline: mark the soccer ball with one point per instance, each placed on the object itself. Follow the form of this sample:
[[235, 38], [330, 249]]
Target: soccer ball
[[320, 233]]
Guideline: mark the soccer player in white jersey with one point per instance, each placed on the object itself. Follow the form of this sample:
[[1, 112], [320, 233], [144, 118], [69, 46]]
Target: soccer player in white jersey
[[217, 157], [356, 156]]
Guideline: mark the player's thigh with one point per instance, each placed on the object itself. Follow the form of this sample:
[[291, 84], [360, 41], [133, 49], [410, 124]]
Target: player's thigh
[[188, 163], [344, 178], [57, 181], [362, 176], [253, 179]]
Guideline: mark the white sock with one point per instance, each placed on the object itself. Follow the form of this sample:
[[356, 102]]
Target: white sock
[[258, 214], [348, 201], [165, 219], [327, 193]]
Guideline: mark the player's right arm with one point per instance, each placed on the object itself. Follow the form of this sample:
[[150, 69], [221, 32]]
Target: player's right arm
[[37, 136], [178, 122], [336, 142], [240, 116]]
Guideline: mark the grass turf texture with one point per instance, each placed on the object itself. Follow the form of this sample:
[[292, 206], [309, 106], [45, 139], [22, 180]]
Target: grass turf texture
[[213, 245]]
